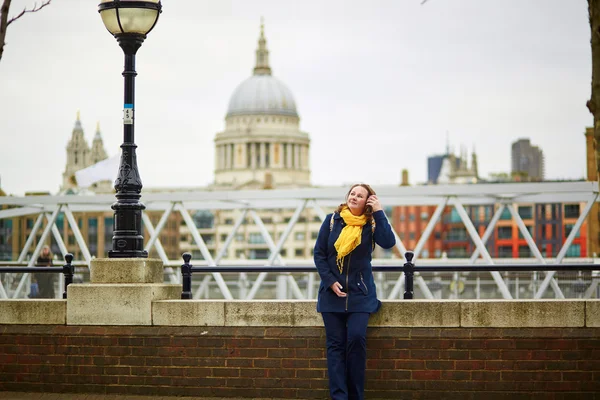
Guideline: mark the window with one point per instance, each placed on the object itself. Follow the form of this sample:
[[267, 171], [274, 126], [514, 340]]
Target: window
[[487, 213], [108, 232], [529, 228], [457, 252], [526, 212], [258, 254], [239, 237], [228, 221], [425, 254], [454, 217], [314, 235], [299, 252], [256, 238], [240, 254], [437, 235], [411, 236], [571, 210], [506, 215], [411, 217], [267, 220], [424, 216], [208, 238], [505, 251], [457, 234], [568, 229], [524, 252], [299, 236], [505, 232], [437, 253], [402, 218], [183, 238], [574, 251]]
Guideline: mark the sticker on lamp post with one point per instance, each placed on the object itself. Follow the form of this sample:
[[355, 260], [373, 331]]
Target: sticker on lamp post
[[128, 114]]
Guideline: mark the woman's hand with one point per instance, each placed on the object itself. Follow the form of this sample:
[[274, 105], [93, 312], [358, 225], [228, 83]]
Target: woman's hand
[[373, 201], [337, 287]]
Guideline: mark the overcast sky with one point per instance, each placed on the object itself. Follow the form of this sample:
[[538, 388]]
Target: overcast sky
[[379, 85]]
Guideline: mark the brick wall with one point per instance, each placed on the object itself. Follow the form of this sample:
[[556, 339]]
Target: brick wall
[[462, 363]]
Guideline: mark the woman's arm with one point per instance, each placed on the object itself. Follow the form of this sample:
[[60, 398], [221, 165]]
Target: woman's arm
[[383, 236], [321, 254]]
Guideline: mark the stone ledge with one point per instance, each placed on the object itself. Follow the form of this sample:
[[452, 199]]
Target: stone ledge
[[542, 313], [148, 304], [592, 313], [33, 312], [418, 313], [126, 270], [188, 313], [116, 303], [393, 313]]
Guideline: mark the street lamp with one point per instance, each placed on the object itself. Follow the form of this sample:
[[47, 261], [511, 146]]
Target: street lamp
[[129, 22]]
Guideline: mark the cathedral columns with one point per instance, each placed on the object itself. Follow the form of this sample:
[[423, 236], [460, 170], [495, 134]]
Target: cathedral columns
[[263, 155]]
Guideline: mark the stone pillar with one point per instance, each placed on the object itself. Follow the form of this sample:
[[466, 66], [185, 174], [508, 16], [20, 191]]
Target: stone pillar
[[253, 155], [121, 292], [263, 155]]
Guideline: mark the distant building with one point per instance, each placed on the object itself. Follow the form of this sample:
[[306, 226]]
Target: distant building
[[527, 160], [549, 225], [80, 156], [452, 169]]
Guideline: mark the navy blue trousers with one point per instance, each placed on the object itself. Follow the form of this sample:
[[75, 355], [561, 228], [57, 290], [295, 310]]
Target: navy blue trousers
[[346, 354]]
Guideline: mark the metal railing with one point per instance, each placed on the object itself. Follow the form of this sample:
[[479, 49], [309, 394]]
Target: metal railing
[[68, 270], [409, 269]]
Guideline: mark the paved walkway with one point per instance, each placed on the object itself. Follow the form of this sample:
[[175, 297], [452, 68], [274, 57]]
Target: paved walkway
[[72, 396]]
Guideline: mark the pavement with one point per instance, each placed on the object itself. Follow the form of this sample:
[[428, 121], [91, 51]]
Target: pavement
[[80, 396]]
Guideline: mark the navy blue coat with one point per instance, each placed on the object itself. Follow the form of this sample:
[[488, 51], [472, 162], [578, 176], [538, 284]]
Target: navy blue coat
[[357, 276]]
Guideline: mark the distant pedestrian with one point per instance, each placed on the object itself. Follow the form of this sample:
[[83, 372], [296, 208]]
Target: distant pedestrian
[[45, 281], [347, 294]]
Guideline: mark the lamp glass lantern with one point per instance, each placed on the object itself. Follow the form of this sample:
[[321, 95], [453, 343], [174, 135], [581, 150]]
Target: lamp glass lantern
[[132, 16]]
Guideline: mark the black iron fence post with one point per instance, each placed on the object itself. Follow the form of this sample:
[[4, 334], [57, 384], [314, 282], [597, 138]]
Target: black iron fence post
[[186, 273], [68, 271], [409, 272]]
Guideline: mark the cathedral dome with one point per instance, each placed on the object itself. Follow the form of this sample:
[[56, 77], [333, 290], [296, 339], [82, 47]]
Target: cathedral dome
[[262, 94]]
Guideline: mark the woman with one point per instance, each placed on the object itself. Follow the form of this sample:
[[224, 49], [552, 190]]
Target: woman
[[347, 293], [45, 281]]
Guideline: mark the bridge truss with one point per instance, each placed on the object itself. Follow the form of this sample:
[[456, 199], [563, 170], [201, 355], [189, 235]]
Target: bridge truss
[[303, 286]]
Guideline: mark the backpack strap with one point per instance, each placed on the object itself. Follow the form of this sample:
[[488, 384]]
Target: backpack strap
[[373, 225]]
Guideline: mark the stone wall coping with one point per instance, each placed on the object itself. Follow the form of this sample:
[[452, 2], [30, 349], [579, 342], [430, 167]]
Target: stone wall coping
[[486, 313], [33, 312], [543, 313]]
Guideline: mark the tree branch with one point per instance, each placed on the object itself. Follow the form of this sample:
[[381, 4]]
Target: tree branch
[[34, 9], [4, 21]]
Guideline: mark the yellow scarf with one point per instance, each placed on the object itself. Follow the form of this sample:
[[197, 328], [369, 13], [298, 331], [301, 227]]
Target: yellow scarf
[[350, 236]]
